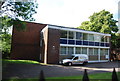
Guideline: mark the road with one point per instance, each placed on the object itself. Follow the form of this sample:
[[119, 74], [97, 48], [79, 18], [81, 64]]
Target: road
[[33, 70]]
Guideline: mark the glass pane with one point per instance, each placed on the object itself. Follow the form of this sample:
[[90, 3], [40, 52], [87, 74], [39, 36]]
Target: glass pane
[[95, 51], [85, 36], [91, 37], [106, 51], [70, 50], [63, 50], [71, 35], [106, 39], [102, 39], [90, 51], [63, 34], [102, 51], [79, 35], [84, 50], [78, 50], [97, 38]]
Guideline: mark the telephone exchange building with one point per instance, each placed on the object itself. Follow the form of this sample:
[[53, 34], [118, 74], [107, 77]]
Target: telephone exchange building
[[51, 43]]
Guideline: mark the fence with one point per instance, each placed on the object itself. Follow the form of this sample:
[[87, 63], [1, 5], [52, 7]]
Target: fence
[[84, 78]]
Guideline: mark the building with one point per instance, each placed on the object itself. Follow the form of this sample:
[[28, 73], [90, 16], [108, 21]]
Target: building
[[50, 43]]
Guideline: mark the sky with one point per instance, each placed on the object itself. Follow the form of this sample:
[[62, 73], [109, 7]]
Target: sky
[[71, 13]]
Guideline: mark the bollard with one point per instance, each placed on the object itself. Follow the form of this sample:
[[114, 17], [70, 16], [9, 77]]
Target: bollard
[[85, 76]]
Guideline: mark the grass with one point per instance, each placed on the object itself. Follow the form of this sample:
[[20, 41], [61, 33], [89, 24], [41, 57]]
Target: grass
[[5, 61], [92, 77]]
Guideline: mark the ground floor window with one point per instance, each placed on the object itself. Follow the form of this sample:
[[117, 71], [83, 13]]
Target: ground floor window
[[94, 54], [65, 50]]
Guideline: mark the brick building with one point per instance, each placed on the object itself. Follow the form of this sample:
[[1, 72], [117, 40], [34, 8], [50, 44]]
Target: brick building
[[50, 43]]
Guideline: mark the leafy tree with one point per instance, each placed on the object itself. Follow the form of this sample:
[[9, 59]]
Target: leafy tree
[[5, 44], [11, 13], [102, 22]]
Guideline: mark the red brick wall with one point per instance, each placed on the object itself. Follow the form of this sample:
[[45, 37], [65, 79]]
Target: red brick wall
[[53, 45], [26, 44], [50, 46]]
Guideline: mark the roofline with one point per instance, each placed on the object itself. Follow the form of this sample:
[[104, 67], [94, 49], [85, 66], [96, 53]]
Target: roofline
[[70, 29], [75, 29]]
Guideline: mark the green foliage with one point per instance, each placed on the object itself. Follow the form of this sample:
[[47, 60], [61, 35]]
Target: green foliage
[[5, 44], [13, 12], [102, 22]]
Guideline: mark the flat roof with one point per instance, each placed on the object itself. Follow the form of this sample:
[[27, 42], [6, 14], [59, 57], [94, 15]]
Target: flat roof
[[71, 29], [75, 29]]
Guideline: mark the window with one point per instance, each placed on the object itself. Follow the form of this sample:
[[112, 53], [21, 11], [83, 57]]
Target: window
[[63, 50], [63, 34], [84, 50], [76, 58], [102, 39], [78, 50], [91, 37], [97, 38], [91, 51], [70, 50], [71, 35], [85, 36], [106, 52], [106, 39], [79, 35], [95, 51], [102, 52]]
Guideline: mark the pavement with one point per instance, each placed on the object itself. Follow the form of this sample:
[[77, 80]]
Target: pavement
[[33, 70]]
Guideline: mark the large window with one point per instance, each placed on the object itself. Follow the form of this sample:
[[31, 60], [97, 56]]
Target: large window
[[97, 38], [71, 35], [84, 50], [78, 50], [102, 39], [106, 52], [91, 37], [95, 51], [78, 35], [85, 36], [91, 51], [107, 39], [102, 51], [63, 34], [70, 50], [63, 50]]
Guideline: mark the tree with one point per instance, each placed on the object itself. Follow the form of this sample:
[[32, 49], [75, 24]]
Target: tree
[[102, 22], [14, 13], [17, 11]]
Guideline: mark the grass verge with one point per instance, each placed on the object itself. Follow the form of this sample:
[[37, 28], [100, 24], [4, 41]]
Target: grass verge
[[92, 77], [5, 61]]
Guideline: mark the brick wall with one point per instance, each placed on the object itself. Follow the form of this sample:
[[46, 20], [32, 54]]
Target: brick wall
[[26, 44]]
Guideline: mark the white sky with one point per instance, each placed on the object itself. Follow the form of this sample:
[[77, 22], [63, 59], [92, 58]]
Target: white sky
[[71, 13]]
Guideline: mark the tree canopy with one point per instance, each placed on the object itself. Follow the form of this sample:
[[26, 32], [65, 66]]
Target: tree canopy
[[100, 22], [13, 12]]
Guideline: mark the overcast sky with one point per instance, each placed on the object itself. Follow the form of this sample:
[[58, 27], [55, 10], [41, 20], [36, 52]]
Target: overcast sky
[[71, 13]]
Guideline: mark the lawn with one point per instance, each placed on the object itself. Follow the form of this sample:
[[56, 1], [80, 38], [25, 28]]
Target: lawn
[[5, 61], [92, 77]]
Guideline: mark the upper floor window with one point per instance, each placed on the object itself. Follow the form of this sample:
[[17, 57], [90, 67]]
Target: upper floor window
[[97, 38], [91, 37], [63, 34], [85, 36], [71, 35], [79, 35]]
